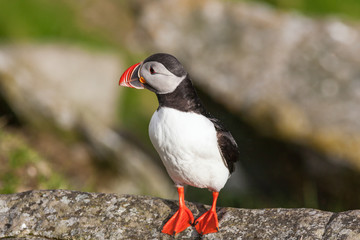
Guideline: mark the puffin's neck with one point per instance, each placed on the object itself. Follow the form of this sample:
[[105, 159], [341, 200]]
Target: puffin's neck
[[183, 98]]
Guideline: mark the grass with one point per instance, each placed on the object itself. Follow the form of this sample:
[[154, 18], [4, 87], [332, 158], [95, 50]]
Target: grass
[[42, 20], [22, 168]]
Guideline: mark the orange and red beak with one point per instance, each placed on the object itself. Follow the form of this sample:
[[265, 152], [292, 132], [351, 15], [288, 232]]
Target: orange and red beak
[[131, 77]]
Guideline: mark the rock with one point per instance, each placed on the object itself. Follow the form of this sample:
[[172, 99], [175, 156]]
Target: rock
[[55, 81], [74, 90], [61, 214], [291, 76]]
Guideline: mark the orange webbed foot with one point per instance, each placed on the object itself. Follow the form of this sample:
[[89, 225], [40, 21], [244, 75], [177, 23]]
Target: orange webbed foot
[[208, 222], [181, 220]]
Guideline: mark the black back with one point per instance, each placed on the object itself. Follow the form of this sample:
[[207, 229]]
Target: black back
[[184, 98]]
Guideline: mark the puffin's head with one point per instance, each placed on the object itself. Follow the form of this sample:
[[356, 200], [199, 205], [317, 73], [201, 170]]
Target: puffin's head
[[160, 73]]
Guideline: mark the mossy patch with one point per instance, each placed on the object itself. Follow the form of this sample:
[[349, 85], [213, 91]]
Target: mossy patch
[[23, 168]]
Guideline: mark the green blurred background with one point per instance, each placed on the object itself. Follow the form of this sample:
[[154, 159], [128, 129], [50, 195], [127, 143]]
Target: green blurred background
[[44, 21], [41, 20]]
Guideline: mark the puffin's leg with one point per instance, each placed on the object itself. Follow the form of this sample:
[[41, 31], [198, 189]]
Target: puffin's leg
[[182, 219], [208, 222]]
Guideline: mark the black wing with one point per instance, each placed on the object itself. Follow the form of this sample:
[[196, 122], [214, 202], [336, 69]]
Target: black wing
[[227, 145]]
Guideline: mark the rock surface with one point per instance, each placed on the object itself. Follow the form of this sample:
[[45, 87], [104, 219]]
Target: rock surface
[[60, 214], [294, 77]]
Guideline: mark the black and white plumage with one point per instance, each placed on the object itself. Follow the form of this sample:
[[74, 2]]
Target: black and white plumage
[[194, 146]]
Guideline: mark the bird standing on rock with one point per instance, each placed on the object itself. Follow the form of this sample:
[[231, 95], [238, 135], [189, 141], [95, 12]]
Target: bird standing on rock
[[194, 146]]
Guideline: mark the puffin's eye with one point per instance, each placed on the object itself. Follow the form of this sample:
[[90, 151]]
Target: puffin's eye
[[152, 71]]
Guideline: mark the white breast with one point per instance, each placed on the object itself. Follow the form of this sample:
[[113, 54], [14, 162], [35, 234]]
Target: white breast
[[187, 145]]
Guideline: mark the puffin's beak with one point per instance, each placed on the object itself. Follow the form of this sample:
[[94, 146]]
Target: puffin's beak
[[130, 78]]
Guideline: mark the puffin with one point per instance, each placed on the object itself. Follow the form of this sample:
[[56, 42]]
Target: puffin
[[194, 147]]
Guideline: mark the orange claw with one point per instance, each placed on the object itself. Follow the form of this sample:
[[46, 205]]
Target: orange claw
[[208, 222], [181, 220]]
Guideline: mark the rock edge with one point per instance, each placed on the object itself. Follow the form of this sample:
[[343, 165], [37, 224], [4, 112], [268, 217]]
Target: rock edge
[[64, 214]]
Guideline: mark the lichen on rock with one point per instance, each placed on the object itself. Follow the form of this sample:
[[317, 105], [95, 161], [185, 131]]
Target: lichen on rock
[[64, 214]]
